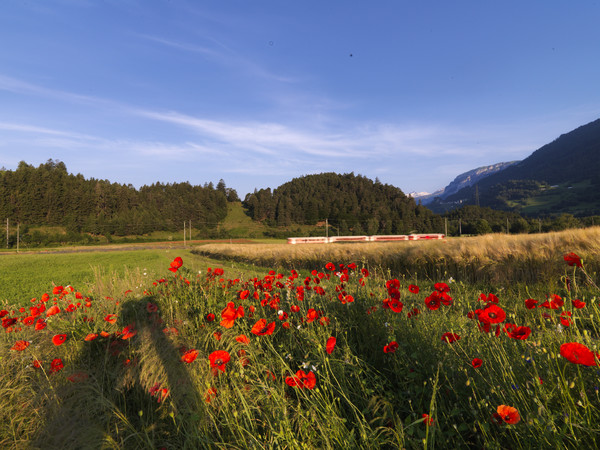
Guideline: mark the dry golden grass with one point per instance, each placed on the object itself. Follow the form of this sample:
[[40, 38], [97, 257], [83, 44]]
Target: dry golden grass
[[494, 258]]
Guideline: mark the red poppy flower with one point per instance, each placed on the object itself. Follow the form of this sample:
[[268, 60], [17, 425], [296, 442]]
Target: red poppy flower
[[555, 303], [261, 328], [565, 318], [450, 337], [52, 311], [28, 320], [244, 294], [330, 345], [441, 287], [578, 303], [508, 414], [490, 298], [210, 317], [530, 303], [91, 337], [151, 307], [176, 264], [295, 308], [242, 338], [57, 290], [9, 322], [319, 290], [391, 347], [56, 365], [37, 364], [427, 420], [111, 318], [492, 314], [413, 288], [302, 380], [446, 299], [521, 333], [59, 339], [396, 305], [20, 346], [230, 313], [433, 301], [128, 332], [578, 354], [311, 315], [330, 266], [189, 356], [477, 363], [573, 260], [218, 360], [365, 272]]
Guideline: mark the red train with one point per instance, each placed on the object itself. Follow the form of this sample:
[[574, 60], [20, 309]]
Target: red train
[[389, 238]]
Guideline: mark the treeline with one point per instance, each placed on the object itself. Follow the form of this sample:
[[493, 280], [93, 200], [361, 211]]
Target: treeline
[[471, 219], [352, 205], [48, 195]]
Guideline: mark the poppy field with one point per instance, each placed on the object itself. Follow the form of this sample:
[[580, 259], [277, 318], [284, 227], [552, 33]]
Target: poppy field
[[340, 355]]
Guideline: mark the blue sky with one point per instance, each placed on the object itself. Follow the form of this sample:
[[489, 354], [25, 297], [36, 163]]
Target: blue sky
[[259, 92]]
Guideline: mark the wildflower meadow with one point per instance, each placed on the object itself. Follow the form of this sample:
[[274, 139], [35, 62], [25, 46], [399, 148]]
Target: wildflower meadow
[[343, 355]]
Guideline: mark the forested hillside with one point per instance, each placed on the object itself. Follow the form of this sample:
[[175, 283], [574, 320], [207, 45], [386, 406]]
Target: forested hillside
[[49, 195], [352, 204]]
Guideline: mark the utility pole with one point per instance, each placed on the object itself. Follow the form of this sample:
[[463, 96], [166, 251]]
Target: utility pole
[[190, 235], [327, 228], [184, 233], [539, 225], [18, 225], [459, 227], [7, 232], [446, 226], [507, 226]]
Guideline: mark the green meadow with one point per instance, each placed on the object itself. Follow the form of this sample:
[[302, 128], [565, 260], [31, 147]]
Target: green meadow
[[151, 351]]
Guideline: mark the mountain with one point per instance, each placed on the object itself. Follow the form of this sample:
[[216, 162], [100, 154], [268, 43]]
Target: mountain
[[560, 177], [461, 181]]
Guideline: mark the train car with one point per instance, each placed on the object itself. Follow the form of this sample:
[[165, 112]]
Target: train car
[[348, 238], [429, 236], [382, 238], [308, 240], [390, 238], [421, 237]]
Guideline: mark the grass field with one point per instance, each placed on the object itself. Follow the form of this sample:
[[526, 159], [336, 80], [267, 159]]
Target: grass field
[[323, 353], [493, 258]]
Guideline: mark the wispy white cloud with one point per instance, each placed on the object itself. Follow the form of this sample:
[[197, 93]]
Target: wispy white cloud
[[226, 56], [347, 141], [182, 46]]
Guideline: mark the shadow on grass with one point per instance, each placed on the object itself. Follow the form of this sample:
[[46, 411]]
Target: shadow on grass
[[117, 398]]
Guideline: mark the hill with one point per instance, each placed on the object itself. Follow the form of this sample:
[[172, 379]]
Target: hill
[[560, 177], [351, 204]]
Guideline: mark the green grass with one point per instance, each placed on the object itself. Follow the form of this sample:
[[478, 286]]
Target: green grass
[[30, 275]]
